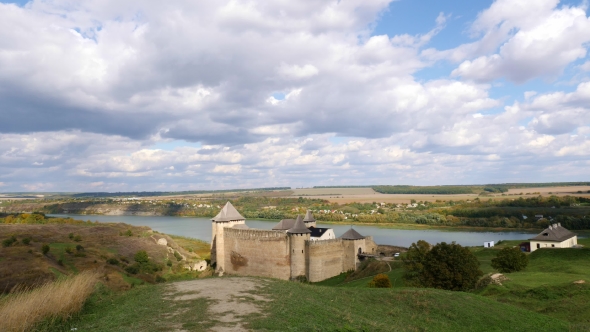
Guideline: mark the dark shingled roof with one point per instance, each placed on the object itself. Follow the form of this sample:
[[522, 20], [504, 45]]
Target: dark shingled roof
[[317, 232], [299, 227], [308, 217], [555, 233], [351, 234], [284, 225], [228, 213]]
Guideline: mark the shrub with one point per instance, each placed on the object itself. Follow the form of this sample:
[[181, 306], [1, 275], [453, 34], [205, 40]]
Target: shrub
[[141, 257], [132, 269], [380, 281], [450, 267], [45, 249], [113, 261], [445, 266], [128, 233], [413, 262], [510, 260], [69, 250], [60, 262], [71, 236], [8, 242], [160, 279], [77, 238], [168, 262], [177, 255], [26, 240], [79, 248]]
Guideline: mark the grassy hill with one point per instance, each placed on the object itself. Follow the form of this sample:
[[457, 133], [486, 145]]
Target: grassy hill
[[79, 246]]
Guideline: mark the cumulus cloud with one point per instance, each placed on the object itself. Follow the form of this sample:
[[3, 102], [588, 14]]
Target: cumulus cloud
[[537, 39], [278, 94]]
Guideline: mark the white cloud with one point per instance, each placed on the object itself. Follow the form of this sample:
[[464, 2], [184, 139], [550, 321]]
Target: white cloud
[[546, 40], [89, 87]]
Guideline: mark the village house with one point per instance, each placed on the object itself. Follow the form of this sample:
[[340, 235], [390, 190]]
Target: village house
[[554, 236]]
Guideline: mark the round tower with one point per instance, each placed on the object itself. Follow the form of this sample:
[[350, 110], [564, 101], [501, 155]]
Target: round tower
[[309, 220], [226, 218], [298, 234]]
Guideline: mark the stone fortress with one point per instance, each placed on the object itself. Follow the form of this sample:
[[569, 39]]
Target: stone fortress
[[295, 249]]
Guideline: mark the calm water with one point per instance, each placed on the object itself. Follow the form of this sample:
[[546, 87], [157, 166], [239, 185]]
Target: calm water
[[200, 228]]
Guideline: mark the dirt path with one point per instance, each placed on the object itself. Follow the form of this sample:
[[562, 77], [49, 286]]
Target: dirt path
[[230, 299]]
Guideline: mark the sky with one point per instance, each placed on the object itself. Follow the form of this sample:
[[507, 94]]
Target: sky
[[104, 95]]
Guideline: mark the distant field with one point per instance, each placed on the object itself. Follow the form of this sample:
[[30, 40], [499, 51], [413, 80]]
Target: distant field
[[551, 190], [368, 195], [333, 191]]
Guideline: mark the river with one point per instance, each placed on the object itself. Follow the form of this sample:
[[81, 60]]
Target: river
[[200, 228]]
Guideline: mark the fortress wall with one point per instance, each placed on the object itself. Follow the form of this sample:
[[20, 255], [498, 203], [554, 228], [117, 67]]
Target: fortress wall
[[255, 252], [349, 257], [324, 259], [217, 241], [371, 246]]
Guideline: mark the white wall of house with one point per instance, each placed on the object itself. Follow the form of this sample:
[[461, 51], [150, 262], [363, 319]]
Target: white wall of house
[[327, 235], [552, 244]]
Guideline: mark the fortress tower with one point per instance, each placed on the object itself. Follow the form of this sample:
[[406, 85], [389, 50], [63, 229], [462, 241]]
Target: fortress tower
[[297, 237], [309, 220], [228, 217]]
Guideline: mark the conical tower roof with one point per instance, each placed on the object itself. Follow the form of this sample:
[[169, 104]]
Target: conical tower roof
[[299, 227], [228, 213], [308, 217], [351, 234]]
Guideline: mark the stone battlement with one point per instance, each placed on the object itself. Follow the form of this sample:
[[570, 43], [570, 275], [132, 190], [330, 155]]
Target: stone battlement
[[322, 243], [253, 233]]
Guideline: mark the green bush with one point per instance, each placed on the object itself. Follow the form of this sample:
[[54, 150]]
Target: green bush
[[113, 261], [69, 250], [380, 281], [26, 240], [451, 267], [60, 262], [45, 249], [510, 260], [177, 255], [71, 236], [128, 233], [8, 242], [160, 279], [132, 269], [169, 262], [77, 238], [141, 257], [445, 266], [79, 248]]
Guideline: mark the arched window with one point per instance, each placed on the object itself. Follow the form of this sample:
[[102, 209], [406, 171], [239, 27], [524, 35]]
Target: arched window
[[360, 251]]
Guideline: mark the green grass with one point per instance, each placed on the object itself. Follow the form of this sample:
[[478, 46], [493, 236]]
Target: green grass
[[546, 286], [143, 308], [302, 307], [58, 250], [131, 280]]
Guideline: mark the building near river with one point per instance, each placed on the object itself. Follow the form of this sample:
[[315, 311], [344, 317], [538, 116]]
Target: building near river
[[554, 236], [295, 249]]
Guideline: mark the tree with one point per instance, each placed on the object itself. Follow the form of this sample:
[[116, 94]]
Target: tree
[[450, 267], [510, 260], [414, 262], [45, 249], [380, 281]]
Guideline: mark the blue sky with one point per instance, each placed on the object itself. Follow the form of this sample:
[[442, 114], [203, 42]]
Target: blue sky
[[238, 94]]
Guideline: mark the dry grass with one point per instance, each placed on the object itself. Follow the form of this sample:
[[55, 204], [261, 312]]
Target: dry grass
[[61, 299]]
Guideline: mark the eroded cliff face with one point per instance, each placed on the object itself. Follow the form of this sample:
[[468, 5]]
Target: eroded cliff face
[[111, 209]]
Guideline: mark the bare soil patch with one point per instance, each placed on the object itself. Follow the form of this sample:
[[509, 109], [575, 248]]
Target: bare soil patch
[[231, 299], [571, 190]]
